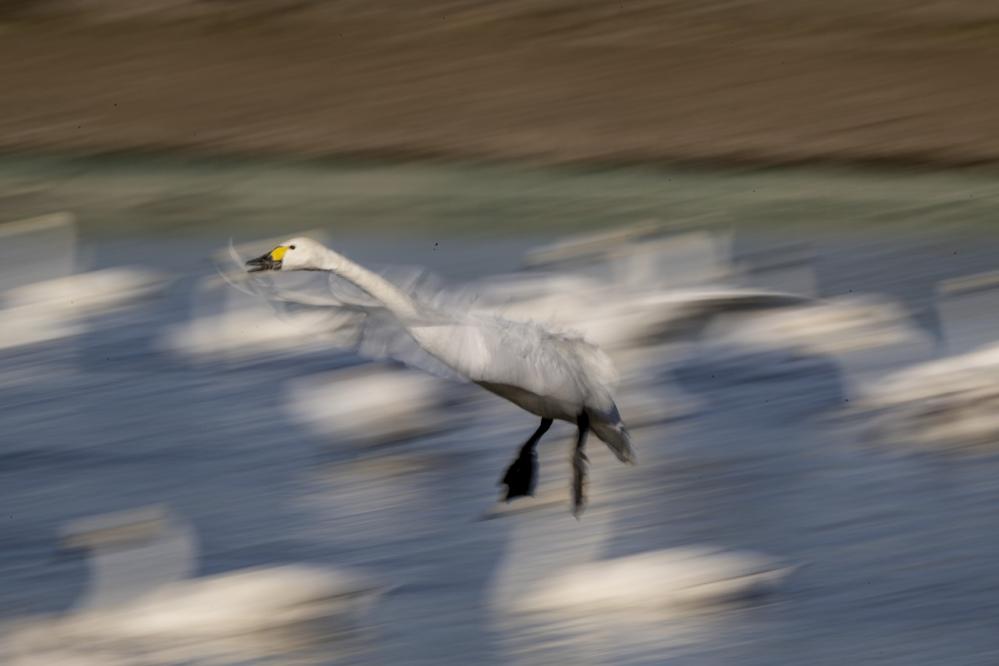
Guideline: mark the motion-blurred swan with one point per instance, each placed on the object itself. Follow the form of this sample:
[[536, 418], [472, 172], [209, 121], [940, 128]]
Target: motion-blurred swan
[[142, 604], [550, 374]]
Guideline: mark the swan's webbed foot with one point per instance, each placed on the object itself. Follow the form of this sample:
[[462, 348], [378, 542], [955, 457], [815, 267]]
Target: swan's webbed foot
[[521, 476]]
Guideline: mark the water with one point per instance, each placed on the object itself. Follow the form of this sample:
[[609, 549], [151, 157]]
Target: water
[[900, 555]]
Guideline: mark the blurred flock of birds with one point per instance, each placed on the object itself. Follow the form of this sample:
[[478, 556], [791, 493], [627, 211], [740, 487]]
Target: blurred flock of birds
[[671, 307]]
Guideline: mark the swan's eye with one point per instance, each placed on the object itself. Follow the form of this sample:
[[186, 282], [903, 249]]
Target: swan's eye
[[291, 247]]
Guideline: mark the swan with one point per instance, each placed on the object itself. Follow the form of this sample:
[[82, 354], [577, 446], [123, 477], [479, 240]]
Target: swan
[[551, 374], [144, 605], [674, 579]]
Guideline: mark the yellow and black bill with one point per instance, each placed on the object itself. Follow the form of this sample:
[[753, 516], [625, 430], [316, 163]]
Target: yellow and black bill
[[268, 262]]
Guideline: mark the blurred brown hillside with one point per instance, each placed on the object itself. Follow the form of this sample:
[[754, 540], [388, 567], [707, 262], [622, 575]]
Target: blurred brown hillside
[[731, 80]]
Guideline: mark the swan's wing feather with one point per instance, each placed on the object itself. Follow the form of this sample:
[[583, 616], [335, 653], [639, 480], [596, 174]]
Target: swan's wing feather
[[382, 337], [464, 345], [369, 331], [691, 311]]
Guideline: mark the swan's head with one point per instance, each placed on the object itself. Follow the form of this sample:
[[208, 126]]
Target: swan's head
[[297, 254]]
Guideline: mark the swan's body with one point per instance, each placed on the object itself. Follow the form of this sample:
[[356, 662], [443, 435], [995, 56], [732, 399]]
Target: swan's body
[[553, 375]]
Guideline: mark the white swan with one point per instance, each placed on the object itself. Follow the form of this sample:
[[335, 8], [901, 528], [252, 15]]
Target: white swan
[[550, 374], [142, 604]]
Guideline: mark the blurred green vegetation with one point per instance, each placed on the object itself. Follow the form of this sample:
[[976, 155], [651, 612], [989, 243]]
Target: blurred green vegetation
[[141, 195]]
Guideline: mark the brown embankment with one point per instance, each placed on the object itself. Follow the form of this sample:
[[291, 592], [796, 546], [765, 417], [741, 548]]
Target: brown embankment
[[753, 81]]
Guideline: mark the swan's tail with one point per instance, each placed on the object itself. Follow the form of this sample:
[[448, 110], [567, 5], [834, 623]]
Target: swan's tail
[[612, 431]]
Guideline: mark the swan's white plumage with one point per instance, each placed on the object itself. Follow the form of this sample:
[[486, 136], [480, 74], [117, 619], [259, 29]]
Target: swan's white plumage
[[553, 374]]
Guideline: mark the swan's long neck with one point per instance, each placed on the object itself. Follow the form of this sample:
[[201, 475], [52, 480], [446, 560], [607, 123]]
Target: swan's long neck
[[394, 299]]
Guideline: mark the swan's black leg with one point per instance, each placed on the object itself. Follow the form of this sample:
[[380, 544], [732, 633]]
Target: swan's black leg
[[579, 461], [520, 477]]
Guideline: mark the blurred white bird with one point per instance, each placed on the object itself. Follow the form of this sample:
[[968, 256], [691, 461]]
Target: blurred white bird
[[551, 374], [143, 606]]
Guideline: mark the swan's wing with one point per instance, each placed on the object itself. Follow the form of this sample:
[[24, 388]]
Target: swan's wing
[[476, 338], [721, 299], [690, 311], [368, 330]]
